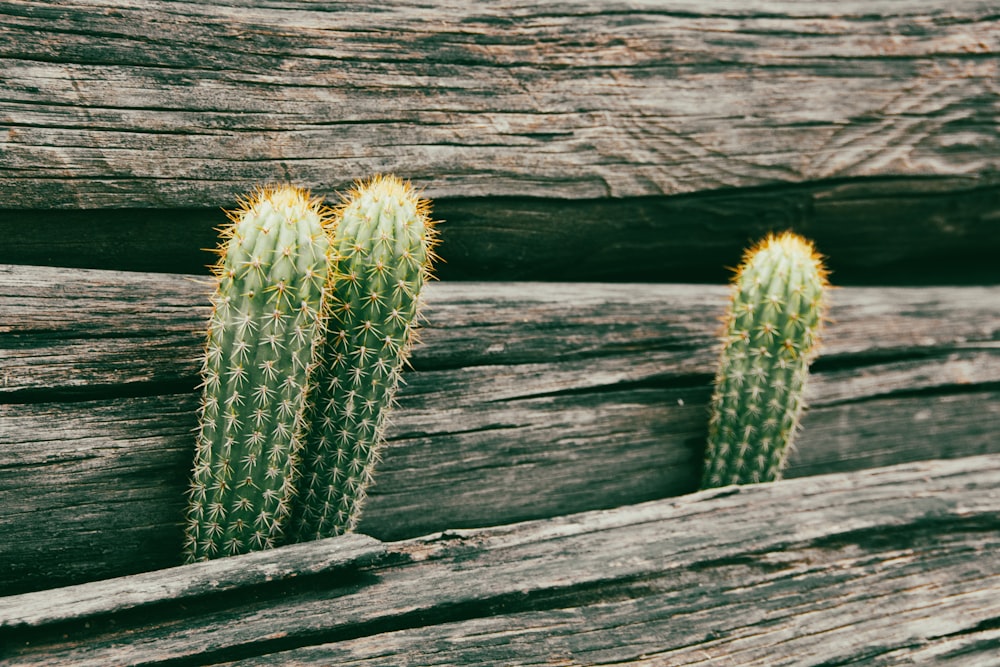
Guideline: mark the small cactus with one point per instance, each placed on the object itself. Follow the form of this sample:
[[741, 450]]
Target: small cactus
[[383, 250], [771, 335], [262, 345]]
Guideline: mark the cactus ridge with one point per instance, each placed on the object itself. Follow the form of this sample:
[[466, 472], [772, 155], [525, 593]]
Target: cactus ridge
[[771, 335], [383, 252], [263, 337]]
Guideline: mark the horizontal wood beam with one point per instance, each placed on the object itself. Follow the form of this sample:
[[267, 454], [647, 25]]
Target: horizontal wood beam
[[555, 398], [162, 104], [210, 578], [881, 567]]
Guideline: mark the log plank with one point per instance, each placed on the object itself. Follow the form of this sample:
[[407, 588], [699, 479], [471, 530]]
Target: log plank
[[197, 580], [880, 567], [556, 398], [116, 320], [122, 103]]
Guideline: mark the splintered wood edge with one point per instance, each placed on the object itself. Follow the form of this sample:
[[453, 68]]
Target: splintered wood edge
[[188, 581]]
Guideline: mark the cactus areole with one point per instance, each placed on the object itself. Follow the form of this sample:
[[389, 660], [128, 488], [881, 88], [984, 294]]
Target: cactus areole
[[771, 335], [382, 255], [262, 346]]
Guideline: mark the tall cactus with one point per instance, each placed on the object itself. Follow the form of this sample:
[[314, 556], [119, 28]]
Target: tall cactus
[[771, 336], [383, 250], [262, 345]]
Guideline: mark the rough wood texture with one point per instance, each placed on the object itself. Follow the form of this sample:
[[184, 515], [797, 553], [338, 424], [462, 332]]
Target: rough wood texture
[[557, 140], [890, 566], [527, 400], [121, 103], [596, 140], [179, 584]]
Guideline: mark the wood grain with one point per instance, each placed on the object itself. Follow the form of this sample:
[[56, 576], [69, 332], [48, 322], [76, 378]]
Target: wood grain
[[526, 400], [210, 578], [120, 103], [883, 567], [631, 141]]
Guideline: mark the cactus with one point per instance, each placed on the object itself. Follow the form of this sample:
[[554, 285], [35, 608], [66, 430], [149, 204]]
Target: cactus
[[262, 345], [383, 250], [771, 335]]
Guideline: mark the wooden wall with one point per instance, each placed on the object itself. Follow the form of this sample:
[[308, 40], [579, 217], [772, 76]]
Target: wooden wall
[[597, 166]]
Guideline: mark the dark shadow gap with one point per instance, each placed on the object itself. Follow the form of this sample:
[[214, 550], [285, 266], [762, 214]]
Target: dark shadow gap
[[874, 231]]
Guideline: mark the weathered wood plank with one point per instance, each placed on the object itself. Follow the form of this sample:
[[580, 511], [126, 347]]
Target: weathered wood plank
[[555, 398], [877, 567], [122, 317], [122, 103], [179, 584]]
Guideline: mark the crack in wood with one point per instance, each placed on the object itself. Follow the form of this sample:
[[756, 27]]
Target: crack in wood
[[163, 387]]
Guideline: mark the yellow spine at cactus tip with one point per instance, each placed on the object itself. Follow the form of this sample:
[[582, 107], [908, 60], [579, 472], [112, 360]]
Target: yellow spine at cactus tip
[[771, 336]]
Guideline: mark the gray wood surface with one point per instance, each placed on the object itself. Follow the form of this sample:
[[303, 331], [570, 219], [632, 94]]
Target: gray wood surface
[[526, 400], [224, 575], [123, 103], [588, 140], [888, 566]]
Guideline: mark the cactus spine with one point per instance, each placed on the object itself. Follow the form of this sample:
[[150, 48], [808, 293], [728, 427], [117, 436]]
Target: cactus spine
[[383, 250], [771, 335], [262, 345]]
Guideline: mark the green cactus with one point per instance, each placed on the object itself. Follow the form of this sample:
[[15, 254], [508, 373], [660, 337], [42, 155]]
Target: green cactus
[[383, 250], [262, 346], [771, 336]]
